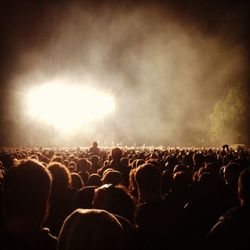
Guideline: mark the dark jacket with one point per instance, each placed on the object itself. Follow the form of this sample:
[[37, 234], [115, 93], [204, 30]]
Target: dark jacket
[[232, 231], [38, 240]]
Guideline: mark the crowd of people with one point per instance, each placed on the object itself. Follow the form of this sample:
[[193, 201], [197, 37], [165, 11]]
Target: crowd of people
[[124, 198]]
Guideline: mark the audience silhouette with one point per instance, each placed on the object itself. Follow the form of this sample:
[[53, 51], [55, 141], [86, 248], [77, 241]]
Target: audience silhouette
[[124, 198]]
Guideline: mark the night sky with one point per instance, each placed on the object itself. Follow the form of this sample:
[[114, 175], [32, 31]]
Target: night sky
[[166, 62]]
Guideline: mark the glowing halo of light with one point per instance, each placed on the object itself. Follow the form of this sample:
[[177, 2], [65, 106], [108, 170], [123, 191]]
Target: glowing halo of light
[[67, 106]]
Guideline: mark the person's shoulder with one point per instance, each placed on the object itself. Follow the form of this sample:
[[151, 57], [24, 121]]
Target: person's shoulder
[[47, 239], [41, 239], [232, 213], [230, 219], [152, 205]]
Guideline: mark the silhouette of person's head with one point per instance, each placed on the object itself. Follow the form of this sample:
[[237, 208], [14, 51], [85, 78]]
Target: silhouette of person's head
[[244, 187], [231, 174], [76, 181], [198, 159], [92, 229], [26, 193], [116, 154], [225, 147], [83, 165], [112, 177], [94, 180], [114, 199], [148, 180], [94, 150], [83, 198], [95, 160], [61, 176]]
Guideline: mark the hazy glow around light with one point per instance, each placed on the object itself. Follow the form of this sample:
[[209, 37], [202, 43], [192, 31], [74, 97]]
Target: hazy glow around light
[[68, 106]]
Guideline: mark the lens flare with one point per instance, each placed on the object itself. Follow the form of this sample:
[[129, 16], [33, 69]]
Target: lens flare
[[67, 107]]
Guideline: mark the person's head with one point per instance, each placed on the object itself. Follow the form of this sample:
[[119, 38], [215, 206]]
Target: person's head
[[114, 199], [116, 154], [83, 198], [225, 147], [76, 181], [124, 161], [83, 165], [148, 180], [26, 190], [91, 229], [112, 177], [231, 174], [94, 180], [95, 160], [181, 179], [179, 167], [198, 159], [206, 184], [61, 178], [71, 166], [244, 187], [57, 158]]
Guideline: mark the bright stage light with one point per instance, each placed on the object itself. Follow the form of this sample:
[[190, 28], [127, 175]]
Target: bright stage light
[[67, 106]]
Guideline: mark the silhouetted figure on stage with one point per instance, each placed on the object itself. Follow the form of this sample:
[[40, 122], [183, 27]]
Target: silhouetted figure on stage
[[95, 150]]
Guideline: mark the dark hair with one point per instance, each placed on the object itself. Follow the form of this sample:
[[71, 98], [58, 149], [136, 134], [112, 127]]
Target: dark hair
[[116, 154], [148, 177], [60, 174], [112, 177], [91, 229], [26, 190], [244, 186], [114, 199]]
